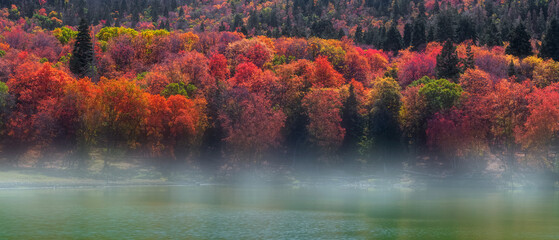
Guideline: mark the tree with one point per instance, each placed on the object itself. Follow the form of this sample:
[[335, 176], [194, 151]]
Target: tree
[[408, 29], [251, 124], [322, 107], [325, 75], [6, 104], [352, 122], [218, 67], [512, 69], [542, 123], [469, 62], [506, 110], [124, 110], [519, 42], [444, 26], [440, 95], [550, 42], [358, 35], [383, 123], [418, 38], [81, 62], [416, 66], [491, 35], [476, 82], [393, 40], [37, 90], [448, 62]]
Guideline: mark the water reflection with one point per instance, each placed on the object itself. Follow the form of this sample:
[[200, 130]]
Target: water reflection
[[212, 212]]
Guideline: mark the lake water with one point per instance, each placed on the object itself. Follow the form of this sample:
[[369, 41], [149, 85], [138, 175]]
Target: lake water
[[217, 212]]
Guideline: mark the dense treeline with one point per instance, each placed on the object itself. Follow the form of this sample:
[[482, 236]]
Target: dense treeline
[[386, 24], [221, 97]]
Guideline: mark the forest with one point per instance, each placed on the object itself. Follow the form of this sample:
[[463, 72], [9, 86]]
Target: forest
[[376, 84]]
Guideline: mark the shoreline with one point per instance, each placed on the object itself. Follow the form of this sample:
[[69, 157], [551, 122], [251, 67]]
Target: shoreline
[[377, 183]]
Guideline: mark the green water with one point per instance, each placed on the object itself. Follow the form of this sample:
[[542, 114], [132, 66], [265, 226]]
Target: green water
[[210, 212]]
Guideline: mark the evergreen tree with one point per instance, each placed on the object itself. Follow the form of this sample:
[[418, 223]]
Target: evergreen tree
[[465, 30], [491, 35], [418, 38], [436, 7], [202, 26], [393, 40], [352, 123], [252, 20], [394, 10], [358, 35], [408, 29], [469, 62], [341, 33], [512, 69], [430, 34], [445, 26], [81, 62], [519, 44], [447, 62], [550, 43], [237, 22]]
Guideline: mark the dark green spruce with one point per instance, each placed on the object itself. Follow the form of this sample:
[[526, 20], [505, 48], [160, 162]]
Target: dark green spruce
[[550, 43], [448, 62], [519, 42], [81, 62]]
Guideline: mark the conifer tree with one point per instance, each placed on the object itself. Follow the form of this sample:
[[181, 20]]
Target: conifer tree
[[352, 122], [469, 62], [418, 37], [447, 62], [358, 35], [519, 44], [512, 69], [81, 62], [550, 43], [408, 29], [491, 35], [393, 40]]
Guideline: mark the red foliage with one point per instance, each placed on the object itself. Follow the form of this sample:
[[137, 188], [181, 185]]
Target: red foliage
[[357, 67], [325, 75], [415, 67], [38, 91], [542, 123], [252, 125], [218, 67], [323, 109]]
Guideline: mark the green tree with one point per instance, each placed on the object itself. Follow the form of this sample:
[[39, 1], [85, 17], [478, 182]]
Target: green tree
[[519, 42], [393, 41], [383, 129], [408, 29], [469, 62], [447, 62], [352, 122], [418, 38], [358, 35], [511, 69], [444, 26], [6, 104], [491, 35], [440, 95], [81, 62], [178, 89], [550, 42]]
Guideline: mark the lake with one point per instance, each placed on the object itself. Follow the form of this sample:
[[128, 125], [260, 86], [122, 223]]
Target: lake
[[220, 212]]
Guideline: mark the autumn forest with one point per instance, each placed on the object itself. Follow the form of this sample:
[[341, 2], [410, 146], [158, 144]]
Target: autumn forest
[[454, 86]]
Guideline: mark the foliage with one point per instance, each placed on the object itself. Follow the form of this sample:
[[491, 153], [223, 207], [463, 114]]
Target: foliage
[[64, 34]]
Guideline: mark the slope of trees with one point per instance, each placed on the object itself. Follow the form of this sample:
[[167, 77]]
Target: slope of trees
[[426, 81]]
